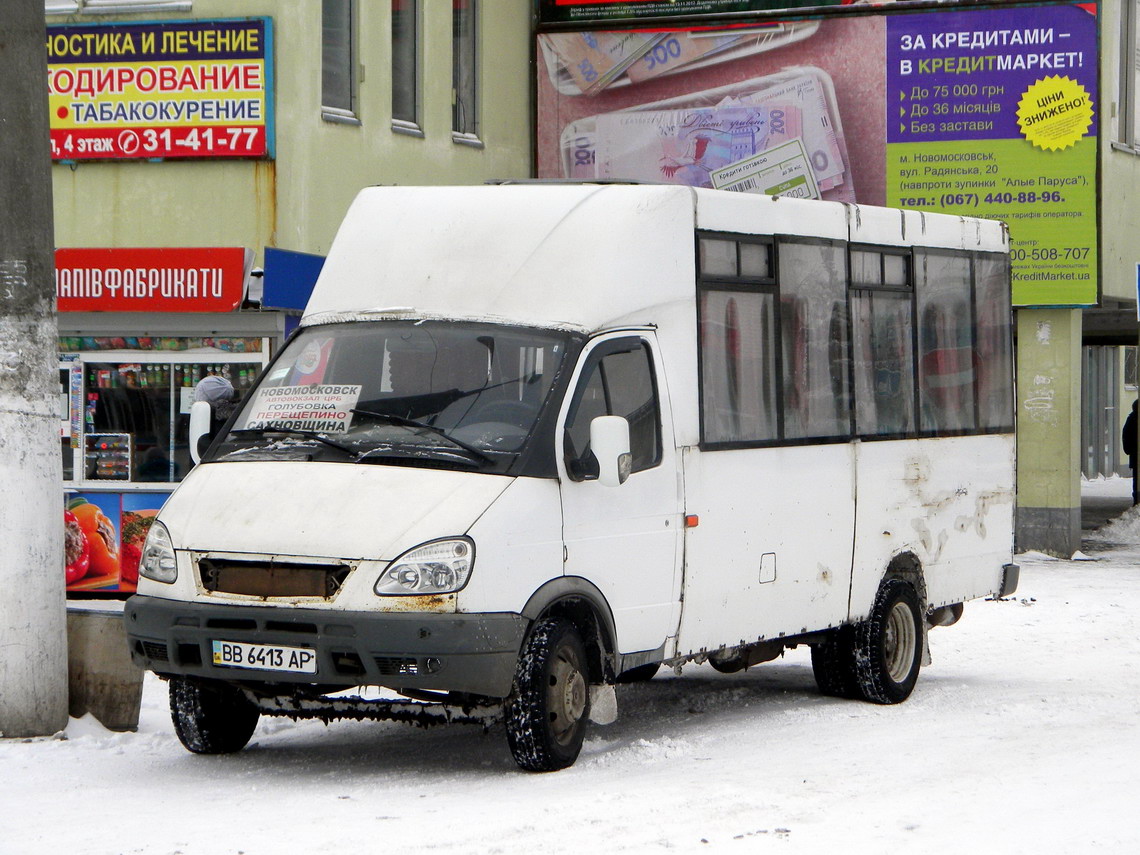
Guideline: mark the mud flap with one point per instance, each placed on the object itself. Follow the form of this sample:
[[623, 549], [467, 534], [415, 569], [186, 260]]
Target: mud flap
[[603, 704]]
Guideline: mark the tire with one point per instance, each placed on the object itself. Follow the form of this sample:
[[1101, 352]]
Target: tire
[[833, 664], [547, 712], [640, 674], [211, 717], [888, 645]]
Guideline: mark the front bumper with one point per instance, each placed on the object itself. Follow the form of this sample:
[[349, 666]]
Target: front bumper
[[475, 653]]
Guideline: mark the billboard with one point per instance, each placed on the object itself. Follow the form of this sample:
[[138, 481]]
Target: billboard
[[982, 111], [180, 89], [620, 11]]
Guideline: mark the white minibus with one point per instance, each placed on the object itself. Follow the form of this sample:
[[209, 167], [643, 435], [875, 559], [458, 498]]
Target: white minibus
[[532, 440]]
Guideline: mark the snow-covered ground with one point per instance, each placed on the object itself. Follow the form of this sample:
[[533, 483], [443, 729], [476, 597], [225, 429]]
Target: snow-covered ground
[[1021, 736]]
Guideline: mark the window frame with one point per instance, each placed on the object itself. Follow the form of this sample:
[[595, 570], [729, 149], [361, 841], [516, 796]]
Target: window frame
[[972, 302], [843, 247], [882, 286], [1128, 117], [771, 285], [333, 113], [468, 134], [411, 126]]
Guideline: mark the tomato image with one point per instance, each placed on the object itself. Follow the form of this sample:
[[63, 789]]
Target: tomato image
[[136, 524], [77, 551], [101, 537]]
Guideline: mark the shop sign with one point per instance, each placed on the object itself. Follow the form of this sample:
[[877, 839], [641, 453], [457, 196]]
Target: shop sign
[[183, 89], [191, 279], [990, 112]]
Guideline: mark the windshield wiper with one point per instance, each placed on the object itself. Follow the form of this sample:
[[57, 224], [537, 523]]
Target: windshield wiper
[[307, 434], [402, 421]]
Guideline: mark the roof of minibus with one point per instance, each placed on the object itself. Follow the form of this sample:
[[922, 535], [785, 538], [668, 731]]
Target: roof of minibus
[[583, 256]]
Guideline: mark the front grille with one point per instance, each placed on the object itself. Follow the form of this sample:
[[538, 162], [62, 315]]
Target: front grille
[[155, 651], [272, 578]]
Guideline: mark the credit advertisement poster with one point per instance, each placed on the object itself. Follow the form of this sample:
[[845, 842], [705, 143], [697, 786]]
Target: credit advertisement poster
[[995, 117], [982, 111]]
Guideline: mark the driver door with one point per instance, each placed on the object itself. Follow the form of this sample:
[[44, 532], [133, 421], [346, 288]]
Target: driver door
[[624, 539]]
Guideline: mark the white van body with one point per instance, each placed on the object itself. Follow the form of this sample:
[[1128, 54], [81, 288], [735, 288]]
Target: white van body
[[716, 548]]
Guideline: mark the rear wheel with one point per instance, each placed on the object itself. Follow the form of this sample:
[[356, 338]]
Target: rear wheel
[[211, 717], [888, 645], [546, 714]]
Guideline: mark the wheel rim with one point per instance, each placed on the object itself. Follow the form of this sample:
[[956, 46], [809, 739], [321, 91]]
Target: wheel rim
[[899, 642], [566, 696]]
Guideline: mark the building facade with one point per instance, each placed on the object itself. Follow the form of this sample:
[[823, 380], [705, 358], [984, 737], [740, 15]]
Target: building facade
[[204, 153]]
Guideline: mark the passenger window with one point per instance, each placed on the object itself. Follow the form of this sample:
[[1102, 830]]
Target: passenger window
[[618, 381], [738, 357], [946, 358], [884, 363], [994, 352], [813, 328]]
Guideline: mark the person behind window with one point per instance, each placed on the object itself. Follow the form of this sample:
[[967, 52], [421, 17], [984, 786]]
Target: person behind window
[[219, 393]]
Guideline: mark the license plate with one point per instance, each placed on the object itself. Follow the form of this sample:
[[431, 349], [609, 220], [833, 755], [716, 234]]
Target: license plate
[[265, 657]]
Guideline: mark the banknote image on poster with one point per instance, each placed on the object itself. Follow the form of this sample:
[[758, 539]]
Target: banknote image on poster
[[621, 12], [585, 63], [787, 108], [722, 132]]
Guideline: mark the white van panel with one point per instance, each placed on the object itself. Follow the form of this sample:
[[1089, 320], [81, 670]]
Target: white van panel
[[380, 511], [949, 501], [789, 509], [889, 227], [518, 547], [747, 213], [539, 255]]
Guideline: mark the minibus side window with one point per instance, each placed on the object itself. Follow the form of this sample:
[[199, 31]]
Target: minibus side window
[[617, 381], [738, 357], [994, 363], [813, 298], [884, 372], [946, 357], [882, 332]]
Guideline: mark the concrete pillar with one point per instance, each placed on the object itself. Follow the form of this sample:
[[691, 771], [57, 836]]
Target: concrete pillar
[[33, 638], [1048, 431]]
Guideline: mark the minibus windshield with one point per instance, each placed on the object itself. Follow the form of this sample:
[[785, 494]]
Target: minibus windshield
[[468, 394]]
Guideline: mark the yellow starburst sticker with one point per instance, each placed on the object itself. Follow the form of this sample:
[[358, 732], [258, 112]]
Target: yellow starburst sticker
[[1054, 113]]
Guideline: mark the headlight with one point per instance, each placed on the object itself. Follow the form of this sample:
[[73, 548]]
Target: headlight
[[439, 567], [158, 561]]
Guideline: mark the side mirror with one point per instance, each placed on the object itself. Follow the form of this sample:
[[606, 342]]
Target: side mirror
[[200, 412], [609, 441]]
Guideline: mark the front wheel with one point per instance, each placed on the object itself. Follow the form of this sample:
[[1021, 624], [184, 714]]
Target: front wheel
[[547, 711], [211, 717], [888, 645]]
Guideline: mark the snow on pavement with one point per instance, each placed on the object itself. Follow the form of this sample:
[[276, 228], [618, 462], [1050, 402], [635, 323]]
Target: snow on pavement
[[1020, 737]]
